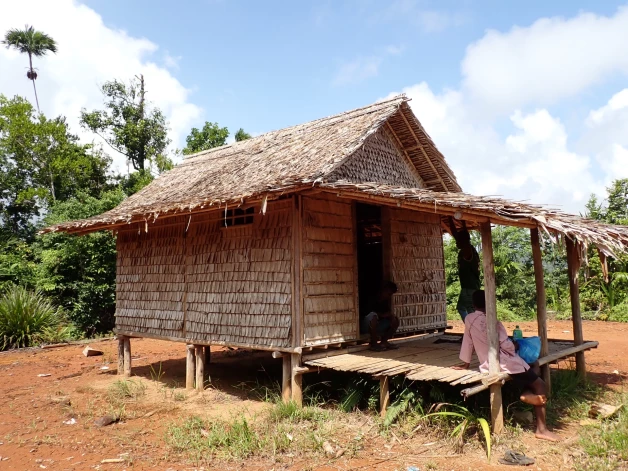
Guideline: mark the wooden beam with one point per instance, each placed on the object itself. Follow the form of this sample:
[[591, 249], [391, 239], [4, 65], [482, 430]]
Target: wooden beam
[[413, 168], [297, 300], [573, 266], [384, 395], [296, 380], [208, 358], [541, 303], [200, 367], [497, 412], [427, 158], [120, 354], [286, 379], [356, 291], [127, 357], [190, 367]]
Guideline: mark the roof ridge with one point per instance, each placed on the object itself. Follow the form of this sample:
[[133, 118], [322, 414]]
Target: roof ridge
[[401, 97]]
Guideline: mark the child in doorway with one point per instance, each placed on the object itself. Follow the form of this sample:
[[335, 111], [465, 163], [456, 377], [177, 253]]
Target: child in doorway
[[525, 376]]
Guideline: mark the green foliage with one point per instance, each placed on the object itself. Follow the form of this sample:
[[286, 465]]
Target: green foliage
[[465, 422], [26, 317], [209, 137], [361, 391], [605, 444], [41, 162], [32, 43], [241, 135], [125, 389], [129, 124], [406, 400], [79, 272]]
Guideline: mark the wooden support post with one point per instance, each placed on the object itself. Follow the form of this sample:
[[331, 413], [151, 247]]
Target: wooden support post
[[296, 380], [127, 357], [120, 354], [190, 367], [497, 412], [573, 265], [384, 394], [286, 378], [541, 303], [200, 367], [208, 357]]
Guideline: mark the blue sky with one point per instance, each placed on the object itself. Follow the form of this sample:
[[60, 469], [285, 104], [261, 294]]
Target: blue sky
[[528, 100]]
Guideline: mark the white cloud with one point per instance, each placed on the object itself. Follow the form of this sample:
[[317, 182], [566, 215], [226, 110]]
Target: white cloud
[[89, 53], [358, 70], [363, 68], [552, 59]]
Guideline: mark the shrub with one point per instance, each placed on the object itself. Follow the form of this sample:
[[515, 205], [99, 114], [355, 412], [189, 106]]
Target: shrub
[[26, 317], [619, 313]]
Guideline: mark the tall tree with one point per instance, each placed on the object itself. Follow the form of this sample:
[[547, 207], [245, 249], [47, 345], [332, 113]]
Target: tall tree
[[31, 42], [129, 124], [41, 162], [209, 137]]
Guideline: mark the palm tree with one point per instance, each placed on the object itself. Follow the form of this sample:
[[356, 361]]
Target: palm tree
[[33, 43]]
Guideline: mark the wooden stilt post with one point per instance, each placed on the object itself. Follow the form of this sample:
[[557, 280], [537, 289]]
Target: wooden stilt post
[[573, 265], [541, 303], [127, 357], [497, 412], [120, 354], [208, 357], [286, 378], [384, 394], [297, 379], [190, 367], [200, 367]]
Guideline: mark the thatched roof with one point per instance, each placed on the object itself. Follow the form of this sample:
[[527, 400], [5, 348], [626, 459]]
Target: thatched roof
[[306, 156], [474, 209], [278, 161]]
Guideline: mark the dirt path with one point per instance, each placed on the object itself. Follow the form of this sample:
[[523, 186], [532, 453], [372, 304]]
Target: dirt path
[[33, 434]]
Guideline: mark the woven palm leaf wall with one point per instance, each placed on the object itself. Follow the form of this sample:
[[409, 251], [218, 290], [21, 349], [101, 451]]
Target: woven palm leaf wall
[[329, 270], [417, 267]]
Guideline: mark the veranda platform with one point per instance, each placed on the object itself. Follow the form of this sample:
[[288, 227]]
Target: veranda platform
[[430, 358]]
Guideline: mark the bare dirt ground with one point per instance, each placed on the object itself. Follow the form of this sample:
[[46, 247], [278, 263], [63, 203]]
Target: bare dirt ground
[[33, 434]]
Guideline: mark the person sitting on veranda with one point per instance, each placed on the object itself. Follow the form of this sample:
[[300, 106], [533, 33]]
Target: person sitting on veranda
[[526, 377], [380, 323], [468, 268]]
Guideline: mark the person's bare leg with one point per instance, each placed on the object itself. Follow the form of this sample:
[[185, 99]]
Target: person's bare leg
[[374, 334], [536, 368], [394, 325], [542, 432], [536, 394]]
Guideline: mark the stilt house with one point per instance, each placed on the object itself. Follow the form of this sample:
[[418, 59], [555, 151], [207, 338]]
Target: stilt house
[[276, 242]]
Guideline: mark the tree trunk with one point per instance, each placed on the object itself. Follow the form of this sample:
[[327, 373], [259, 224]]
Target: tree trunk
[[142, 151], [30, 60]]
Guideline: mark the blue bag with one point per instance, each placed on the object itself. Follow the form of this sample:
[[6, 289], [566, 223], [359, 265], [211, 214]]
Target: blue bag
[[529, 348]]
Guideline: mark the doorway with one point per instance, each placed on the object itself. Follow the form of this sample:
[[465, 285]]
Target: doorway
[[370, 256]]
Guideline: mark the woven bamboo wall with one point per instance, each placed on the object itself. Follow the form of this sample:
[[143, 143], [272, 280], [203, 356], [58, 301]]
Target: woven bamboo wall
[[379, 160], [417, 267], [228, 284], [239, 278], [150, 278], [329, 270]]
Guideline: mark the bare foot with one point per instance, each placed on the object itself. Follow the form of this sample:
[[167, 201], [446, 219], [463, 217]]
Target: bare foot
[[547, 435], [533, 399]]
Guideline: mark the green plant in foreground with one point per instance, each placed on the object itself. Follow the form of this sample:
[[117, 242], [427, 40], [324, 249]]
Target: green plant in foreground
[[467, 421], [126, 389], [26, 317]]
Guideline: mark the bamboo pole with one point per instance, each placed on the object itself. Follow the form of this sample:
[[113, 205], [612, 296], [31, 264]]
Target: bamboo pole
[[200, 367], [541, 306], [120, 354], [497, 412], [384, 395], [127, 357], [296, 380], [286, 378], [573, 265], [190, 367]]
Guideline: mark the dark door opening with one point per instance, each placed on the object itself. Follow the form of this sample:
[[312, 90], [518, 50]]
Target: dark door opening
[[370, 256]]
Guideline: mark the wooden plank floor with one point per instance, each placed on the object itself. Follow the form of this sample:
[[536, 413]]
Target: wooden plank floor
[[429, 359]]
